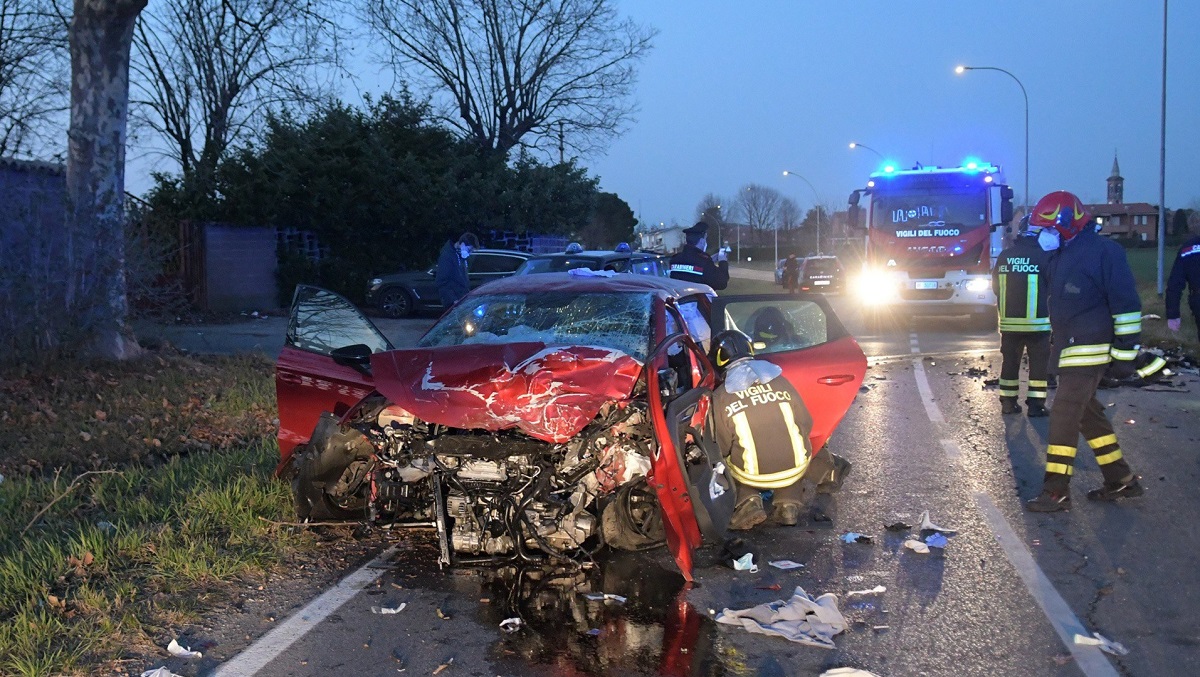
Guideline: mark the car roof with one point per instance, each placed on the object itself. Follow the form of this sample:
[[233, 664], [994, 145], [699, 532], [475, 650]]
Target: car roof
[[663, 287], [602, 254], [513, 252]]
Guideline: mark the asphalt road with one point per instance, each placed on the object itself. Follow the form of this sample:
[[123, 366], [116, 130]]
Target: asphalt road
[[1005, 597]]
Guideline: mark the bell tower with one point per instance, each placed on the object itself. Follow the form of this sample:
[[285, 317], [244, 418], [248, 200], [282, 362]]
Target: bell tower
[[1116, 184]]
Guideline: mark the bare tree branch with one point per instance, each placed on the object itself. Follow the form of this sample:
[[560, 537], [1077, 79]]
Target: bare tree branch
[[510, 73], [206, 71], [33, 78]]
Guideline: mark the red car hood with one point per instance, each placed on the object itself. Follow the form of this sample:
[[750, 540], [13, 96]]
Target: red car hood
[[547, 393]]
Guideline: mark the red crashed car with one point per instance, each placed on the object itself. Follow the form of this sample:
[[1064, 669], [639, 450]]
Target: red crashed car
[[543, 416]]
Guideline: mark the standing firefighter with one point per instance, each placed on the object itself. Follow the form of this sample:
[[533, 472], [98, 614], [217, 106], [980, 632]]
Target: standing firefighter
[[1019, 279], [763, 428], [1096, 318], [693, 265]]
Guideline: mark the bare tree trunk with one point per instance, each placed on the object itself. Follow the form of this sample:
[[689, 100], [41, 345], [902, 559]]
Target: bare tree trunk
[[101, 35]]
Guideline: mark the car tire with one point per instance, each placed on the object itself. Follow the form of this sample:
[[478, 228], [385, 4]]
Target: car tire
[[396, 303], [336, 458]]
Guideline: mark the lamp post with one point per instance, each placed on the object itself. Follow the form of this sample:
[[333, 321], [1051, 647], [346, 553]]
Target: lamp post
[[855, 144], [962, 69], [817, 205]]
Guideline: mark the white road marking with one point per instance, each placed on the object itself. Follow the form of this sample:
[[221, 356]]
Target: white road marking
[[1091, 661], [256, 656]]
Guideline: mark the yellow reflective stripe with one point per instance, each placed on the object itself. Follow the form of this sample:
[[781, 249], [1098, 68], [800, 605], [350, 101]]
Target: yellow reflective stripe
[[1009, 393], [1005, 325], [1031, 287], [799, 452], [1010, 382], [1151, 368], [1060, 450], [1034, 383], [1088, 361], [1109, 458], [1127, 329], [1102, 441], [1003, 296], [741, 426], [772, 481], [1122, 318], [1036, 395], [1090, 349], [1126, 355], [1085, 356], [1060, 468]]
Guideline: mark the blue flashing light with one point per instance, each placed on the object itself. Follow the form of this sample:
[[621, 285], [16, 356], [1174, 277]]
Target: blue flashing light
[[972, 165], [889, 169], [987, 179]]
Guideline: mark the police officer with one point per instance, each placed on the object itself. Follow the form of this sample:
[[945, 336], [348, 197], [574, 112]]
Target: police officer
[[1184, 272], [693, 265], [1019, 280], [763, 428], [1096, 318]]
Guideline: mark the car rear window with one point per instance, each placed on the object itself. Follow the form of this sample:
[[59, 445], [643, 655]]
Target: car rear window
[[618, 321], [821, 267]]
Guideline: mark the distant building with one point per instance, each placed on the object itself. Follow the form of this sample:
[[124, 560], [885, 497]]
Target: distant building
[[1117, 218], [663, 240]]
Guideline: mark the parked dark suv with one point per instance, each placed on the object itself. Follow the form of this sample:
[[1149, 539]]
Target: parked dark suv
[[402, 294], [822, 274], [638, 263]]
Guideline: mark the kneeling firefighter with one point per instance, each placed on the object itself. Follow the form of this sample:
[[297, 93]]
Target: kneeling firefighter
[[763, 429]]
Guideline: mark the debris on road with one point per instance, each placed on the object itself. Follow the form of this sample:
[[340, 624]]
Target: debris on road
[[848, 672], [936, 540], [605, 597], [898, 526], [160, 672], [443, 667], [916, 546], [442, 614], [801, 619], [175, 649], [745, 563], [1106, 645], [773, 586], [511, 625], [385, 611], [927, 525], [877, 590], [855, 537], [785, 564]]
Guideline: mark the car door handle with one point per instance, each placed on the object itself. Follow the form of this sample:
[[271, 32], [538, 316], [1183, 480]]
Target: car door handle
[[835, 380]]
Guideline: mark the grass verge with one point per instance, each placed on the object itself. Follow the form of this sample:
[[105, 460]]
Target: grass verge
[[178, 454]]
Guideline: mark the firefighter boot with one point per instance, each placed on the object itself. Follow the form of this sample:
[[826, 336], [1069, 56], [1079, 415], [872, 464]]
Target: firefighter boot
[[1049, 501], [1111, 491], [748, 514], [1036, 409], [1008, 405]]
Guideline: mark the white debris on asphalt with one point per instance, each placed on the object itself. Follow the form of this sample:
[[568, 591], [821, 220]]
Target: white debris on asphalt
[[511, 624], [847, 672], [175, 649], [1106, 645], [801, 619], [605, 597], [588, 272], [926, 525], [785, 564], [917, 546], [385, 611], [745, 563], [160, 672], [873, 591]]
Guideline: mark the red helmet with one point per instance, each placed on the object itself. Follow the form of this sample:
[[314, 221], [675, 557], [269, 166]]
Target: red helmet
[[1063, 211]]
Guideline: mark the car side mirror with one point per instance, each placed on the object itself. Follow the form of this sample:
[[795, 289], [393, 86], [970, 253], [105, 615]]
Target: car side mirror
[[356, 356]]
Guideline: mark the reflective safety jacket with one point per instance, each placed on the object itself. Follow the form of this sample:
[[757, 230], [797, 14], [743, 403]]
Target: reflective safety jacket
[[1184, 272], [693, 265], [1095, 310], [764, 431], [1019, 281]]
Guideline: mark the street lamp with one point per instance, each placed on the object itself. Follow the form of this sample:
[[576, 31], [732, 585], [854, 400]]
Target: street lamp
[[962, 69], [818, 208], [855, 144]]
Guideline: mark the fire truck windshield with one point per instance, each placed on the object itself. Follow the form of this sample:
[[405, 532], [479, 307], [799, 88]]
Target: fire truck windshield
[[919, 225]]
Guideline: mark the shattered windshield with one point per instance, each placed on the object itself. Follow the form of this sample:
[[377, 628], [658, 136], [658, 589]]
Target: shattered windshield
[[612, 320]]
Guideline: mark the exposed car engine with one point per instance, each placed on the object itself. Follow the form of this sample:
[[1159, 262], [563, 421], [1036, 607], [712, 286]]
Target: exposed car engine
[[493, 496]]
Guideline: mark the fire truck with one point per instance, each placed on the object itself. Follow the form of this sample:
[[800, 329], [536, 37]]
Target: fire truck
[[932, 235]]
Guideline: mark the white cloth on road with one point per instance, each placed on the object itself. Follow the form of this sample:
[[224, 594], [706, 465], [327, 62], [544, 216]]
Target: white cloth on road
[[800, 619], [847, 672]]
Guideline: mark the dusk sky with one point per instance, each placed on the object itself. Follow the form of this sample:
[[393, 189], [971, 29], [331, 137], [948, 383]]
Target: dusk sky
[[734, 93]]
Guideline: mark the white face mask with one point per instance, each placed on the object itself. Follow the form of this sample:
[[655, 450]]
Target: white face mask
[[464, 251], [1049, 239]]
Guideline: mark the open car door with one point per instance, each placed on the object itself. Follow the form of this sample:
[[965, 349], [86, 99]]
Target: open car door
[[802, 335], [324, 364], [688, 475]]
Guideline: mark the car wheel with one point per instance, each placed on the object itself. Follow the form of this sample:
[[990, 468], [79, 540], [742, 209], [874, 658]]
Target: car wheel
[[330, 473], [396, 303]]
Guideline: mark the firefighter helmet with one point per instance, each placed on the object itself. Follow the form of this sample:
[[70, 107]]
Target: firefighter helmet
[[730, 346], [1063, 211]]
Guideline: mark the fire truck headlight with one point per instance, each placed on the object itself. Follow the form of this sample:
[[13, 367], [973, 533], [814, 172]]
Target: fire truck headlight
[[978, 285], [875, 287]]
